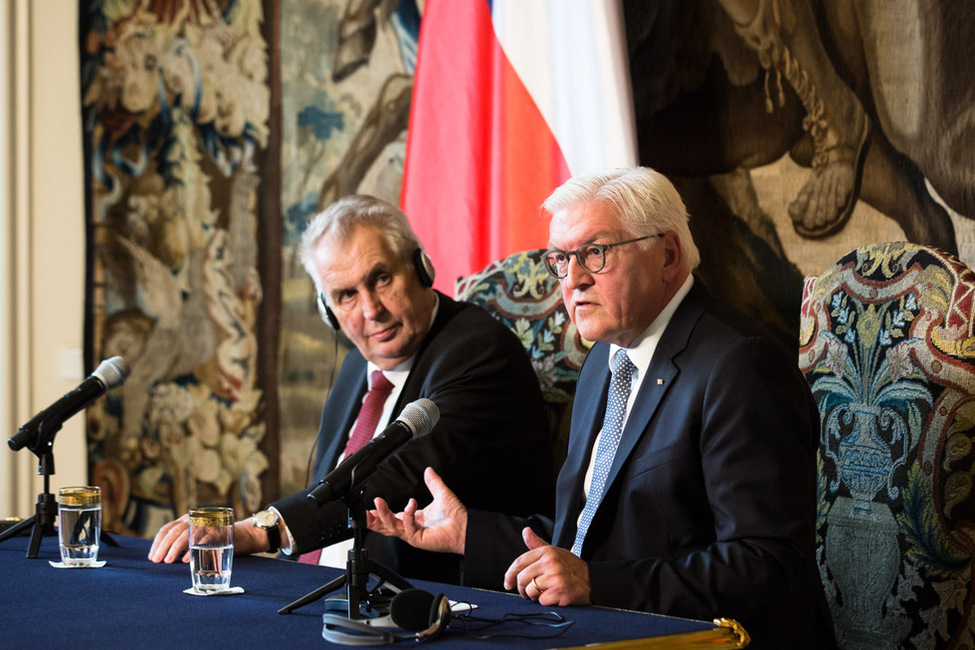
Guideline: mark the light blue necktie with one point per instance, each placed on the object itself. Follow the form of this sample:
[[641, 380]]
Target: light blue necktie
[[609, 440]]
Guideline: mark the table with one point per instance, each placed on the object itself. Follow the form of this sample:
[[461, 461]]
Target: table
[[133, 603]]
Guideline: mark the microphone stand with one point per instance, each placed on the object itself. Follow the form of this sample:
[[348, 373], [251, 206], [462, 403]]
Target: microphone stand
[[46, 508], [359, 569]]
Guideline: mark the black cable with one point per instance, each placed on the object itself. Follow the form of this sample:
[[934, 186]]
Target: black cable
[[331, 382], [475, 626]]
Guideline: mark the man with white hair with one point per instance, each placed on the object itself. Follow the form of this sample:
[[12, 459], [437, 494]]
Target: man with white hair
[[689, 488]]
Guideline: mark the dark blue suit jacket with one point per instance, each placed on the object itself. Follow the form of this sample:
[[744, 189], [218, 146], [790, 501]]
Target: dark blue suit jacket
[[711, 499], [492, 429]]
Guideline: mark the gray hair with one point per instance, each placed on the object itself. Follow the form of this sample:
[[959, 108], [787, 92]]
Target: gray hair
[[339, 220], [645, 201]]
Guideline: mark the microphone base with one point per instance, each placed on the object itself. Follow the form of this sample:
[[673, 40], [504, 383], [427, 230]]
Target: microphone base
[[360, 571], [45, 510], [41, 524], [359, 601]]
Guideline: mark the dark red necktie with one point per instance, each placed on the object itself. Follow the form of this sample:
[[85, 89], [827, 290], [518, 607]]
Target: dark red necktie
[[365, 428], [372, 409]]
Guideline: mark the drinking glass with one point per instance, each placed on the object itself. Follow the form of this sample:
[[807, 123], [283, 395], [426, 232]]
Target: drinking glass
[[79, 524], [211, 548]]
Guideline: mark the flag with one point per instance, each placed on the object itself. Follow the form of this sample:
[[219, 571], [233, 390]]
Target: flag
[[510, 98]]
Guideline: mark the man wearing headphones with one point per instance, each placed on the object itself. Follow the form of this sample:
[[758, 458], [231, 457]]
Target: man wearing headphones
[[411, 341]]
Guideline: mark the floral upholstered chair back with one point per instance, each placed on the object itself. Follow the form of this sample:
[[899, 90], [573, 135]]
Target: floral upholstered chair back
[[886, 344], [520, 293]]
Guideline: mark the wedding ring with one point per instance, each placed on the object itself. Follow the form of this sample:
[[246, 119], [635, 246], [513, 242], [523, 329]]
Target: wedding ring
[[535, 585]]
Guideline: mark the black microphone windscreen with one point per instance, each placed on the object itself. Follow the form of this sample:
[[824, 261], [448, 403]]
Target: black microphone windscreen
[[410, 609]]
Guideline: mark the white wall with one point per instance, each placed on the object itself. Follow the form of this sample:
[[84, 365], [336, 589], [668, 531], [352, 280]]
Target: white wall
[[42, 238]]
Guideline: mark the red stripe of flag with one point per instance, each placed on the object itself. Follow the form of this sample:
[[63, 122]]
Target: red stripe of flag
[[480, 157]]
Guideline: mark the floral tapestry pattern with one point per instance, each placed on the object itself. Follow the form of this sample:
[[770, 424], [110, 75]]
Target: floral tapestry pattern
[[888, 348], [520, 293], [176, 107], [346, 80]]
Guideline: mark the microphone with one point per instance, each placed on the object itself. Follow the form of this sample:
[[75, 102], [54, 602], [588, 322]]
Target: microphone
[[109, 374], [416, 420]]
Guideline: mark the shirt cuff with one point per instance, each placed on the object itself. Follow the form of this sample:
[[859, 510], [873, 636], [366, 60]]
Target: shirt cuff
[[285, 548]]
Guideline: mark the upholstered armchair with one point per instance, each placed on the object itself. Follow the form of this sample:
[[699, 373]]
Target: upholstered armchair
[[520, 293], [887, 346]]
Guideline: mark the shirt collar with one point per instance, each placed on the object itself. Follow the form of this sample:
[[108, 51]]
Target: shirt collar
[[642, 349]]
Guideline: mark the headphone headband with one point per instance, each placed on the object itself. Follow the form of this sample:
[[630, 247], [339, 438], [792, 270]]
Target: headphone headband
[[407, 610]]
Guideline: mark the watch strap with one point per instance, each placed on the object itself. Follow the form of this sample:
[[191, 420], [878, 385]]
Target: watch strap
[[273, 534]]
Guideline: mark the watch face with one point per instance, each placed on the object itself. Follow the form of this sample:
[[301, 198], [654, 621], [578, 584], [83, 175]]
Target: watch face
[[265, 518]]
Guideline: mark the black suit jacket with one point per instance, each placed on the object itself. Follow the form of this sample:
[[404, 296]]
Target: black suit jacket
[[711, 500], [491, 444]]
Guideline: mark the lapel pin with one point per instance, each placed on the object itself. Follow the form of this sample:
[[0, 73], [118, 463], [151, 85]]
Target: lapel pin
[[660, 382]]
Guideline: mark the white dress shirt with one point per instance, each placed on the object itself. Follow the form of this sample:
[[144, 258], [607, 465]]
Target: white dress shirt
[[640, 353]]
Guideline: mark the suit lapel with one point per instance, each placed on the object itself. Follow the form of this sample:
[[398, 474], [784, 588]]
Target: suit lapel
[[341, 409], [662, 376], [413, 388], [593, 406], [587, 413]]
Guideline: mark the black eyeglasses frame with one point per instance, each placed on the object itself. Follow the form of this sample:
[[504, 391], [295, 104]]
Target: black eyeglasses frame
[[550, 266]]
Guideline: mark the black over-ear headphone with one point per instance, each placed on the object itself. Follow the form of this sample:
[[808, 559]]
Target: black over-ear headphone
[[424, 267], [424, 615], [420, 612], [424, 273]]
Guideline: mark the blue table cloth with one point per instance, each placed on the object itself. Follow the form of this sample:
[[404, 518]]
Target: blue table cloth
[[133, 603]]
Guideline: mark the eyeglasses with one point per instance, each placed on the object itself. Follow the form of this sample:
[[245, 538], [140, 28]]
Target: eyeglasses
[[591, 257]]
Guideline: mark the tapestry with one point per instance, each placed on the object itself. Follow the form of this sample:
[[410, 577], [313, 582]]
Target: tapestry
[[230, 360], [176, 117], [346, 82], [795, 131]]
